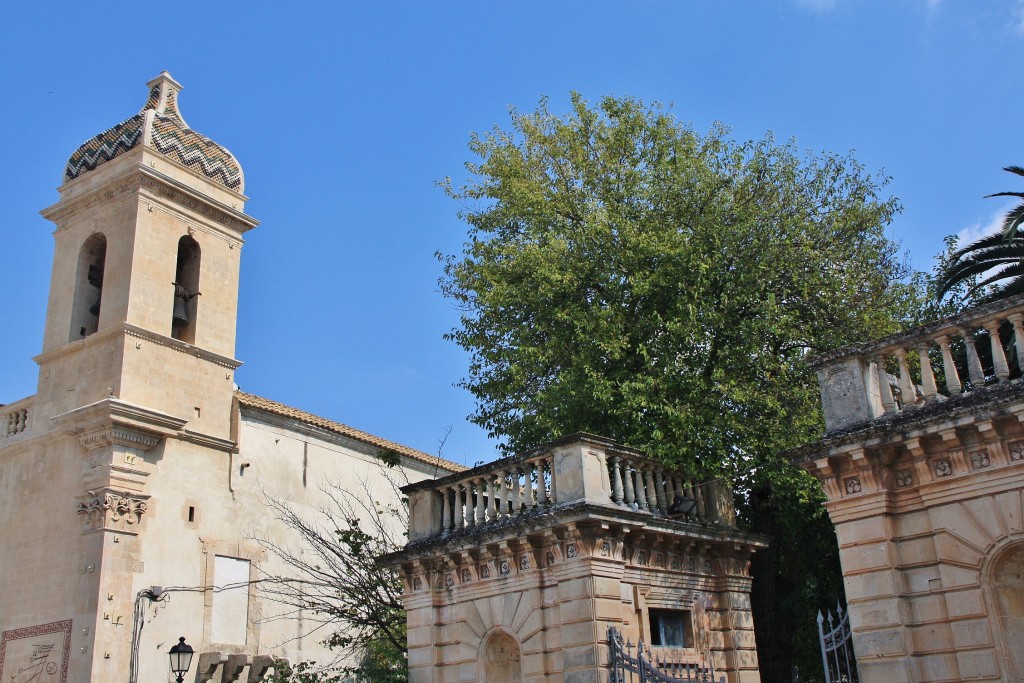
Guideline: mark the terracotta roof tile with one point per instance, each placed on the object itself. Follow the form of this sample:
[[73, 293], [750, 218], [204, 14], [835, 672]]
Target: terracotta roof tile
[[265, 404]]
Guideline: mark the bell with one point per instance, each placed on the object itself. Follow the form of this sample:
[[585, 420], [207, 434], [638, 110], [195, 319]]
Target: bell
[[94, 310], [179, 318]]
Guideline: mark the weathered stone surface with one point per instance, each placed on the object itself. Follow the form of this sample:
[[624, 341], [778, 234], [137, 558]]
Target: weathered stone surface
[[927, 499]]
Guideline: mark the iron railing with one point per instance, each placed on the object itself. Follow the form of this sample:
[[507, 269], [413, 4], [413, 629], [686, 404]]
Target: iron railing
[[837, 653], [645, 668]]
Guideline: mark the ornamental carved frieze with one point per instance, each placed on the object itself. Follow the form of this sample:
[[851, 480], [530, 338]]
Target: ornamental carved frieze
[[121, 437], [112, 510]]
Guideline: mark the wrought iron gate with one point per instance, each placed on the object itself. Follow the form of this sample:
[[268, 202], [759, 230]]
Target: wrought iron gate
[[837, 647], [643, 668]]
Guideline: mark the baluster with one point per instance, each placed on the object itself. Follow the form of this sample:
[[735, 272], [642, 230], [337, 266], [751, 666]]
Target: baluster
[[908, 394], [542, 492], [677, 489], [1018, 338], [974, 371], [949, 367], [698, 495], [928, 387], [531, 487], [496, 497], [659, 488], [459, 518], [999, 365], [638, 485], [884, 390], [503, 494], [617, 493], [630, 495], [520, 492], [470, 503], [553, 493], [652, 496], [481, 501], [446, 515]]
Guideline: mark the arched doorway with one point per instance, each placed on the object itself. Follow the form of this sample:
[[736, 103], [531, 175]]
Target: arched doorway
[[1007, 590], [501, 660]]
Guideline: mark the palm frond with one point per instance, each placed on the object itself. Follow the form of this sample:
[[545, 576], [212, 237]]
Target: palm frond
[[1011, 288], [1013, 270], [980, 258]]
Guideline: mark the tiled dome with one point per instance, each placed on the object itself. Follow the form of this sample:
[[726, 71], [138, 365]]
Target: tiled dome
[[159, 125]]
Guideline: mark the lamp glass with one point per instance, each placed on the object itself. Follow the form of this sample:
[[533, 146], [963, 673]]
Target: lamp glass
[[181, 657]]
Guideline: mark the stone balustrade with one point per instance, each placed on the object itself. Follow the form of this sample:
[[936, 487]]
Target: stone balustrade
[[14, 418], [967, 352], [581, 468]]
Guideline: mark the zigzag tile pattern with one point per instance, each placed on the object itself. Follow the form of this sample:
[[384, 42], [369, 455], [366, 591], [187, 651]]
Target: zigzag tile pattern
[[170, 136], [195, 151], [154, 98], [104, 147]]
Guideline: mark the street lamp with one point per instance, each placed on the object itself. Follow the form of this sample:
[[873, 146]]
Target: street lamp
[[181, 658]]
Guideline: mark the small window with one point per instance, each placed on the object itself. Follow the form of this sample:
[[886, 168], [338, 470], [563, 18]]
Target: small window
[[671, 628]]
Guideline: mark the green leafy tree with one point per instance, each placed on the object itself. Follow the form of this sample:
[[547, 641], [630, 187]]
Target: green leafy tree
[[629, 276]]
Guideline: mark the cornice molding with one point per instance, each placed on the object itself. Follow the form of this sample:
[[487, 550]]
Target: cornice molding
[[129, 330], [180, 346], [115, 422]]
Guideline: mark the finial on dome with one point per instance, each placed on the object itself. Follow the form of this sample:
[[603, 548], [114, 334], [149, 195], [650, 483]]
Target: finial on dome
[[163, 97]]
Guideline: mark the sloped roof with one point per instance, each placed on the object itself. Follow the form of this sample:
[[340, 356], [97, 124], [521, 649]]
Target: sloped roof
[[265, 404]]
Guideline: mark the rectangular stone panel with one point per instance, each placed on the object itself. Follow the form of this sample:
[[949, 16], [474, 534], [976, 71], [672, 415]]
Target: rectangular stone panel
[[978, 664], [915, 551], [870, 585], [927, 608], [878, 643], [972, 633], [958, 577], [965, 603], [936, 668], [865, 556], [861, 531], [919, 579], [933, 637], [875, 614], [581, 633]]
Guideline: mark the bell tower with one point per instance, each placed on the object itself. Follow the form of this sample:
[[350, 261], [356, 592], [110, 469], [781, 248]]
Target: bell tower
[[136, 374], [144, 289]]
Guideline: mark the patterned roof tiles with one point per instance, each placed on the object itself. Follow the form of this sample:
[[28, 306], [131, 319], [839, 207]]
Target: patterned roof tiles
[[167, 133], [265, 404]]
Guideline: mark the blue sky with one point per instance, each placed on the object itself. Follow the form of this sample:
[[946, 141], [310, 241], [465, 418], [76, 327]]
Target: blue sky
[[344, 115]]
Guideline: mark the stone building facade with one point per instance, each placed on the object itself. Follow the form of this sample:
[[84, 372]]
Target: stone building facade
[[137, 463], [518, 570], [923, 467]]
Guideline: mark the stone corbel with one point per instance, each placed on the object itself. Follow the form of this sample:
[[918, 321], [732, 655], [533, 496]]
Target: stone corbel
[[826, 475], [209, 662], [990, 436], [233, 667], [260, 665]]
